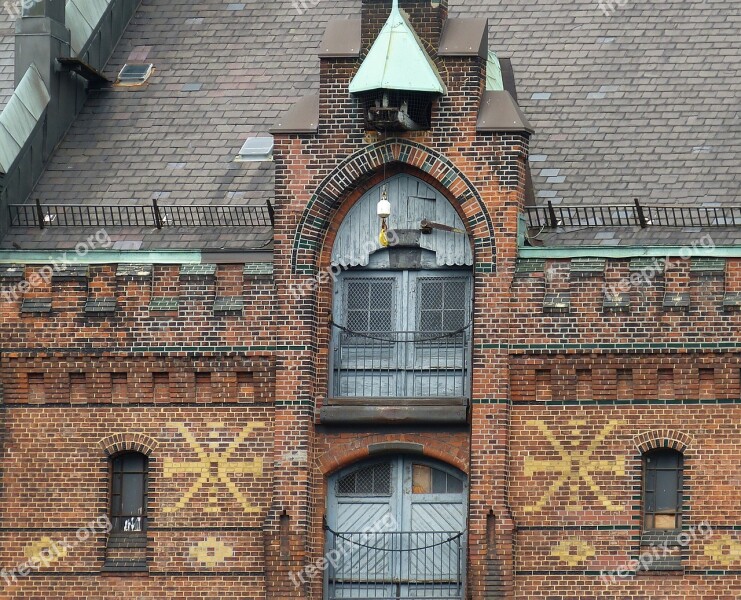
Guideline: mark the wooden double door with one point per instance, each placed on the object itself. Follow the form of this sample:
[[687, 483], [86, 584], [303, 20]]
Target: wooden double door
[[397, 529]]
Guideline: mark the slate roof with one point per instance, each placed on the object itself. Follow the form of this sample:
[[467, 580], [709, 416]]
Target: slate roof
[[7, 54], [642, 103]]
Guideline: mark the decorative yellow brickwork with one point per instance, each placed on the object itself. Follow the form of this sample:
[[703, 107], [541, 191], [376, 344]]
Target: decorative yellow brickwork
[[45, 551], [573, 551], [211, 551], [724, 550], [575, 466], [214, 468]]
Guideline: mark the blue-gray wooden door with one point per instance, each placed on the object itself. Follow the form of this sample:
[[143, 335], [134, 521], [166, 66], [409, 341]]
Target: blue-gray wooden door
[[405, 334], [401, 521]]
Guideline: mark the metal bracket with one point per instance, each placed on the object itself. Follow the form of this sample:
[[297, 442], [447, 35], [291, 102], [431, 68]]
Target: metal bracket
[[426, 227]]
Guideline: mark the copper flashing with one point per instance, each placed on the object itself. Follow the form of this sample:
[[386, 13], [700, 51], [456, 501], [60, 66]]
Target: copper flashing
[[464, 37], [499, 112], [302, 117], [341, 39]]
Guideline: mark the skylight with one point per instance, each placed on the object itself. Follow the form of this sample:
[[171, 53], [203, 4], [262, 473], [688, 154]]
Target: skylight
[[134, 74], [256, 149]]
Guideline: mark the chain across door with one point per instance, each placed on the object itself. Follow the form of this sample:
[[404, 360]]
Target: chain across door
[[401, 334], [396, 529]]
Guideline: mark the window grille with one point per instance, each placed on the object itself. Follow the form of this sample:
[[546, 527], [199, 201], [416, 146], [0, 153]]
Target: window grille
[[129, 492], [370, 305], [374, 480], [441, 304], [662, 489]]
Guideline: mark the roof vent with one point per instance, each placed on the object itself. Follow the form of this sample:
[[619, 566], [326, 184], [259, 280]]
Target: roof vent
[[256, 149], [132, 75]]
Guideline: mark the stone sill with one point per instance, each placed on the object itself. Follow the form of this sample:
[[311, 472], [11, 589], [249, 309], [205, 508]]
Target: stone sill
[[394, 410]]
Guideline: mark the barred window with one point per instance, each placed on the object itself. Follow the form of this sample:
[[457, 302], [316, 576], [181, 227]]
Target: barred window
[[129, 492], [370, 304], [374, 480], [662, 489], [442, 304]]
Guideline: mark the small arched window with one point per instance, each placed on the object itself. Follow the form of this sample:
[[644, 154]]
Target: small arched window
[[662, 489], [129, 492]]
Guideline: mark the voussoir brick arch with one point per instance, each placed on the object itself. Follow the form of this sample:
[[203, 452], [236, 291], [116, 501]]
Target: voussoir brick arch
[[353, 172], [662, 438], [128, 442], [344, 455]]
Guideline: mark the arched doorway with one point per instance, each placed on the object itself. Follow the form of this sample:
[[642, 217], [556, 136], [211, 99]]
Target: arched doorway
[[396, 528], [402, 313]]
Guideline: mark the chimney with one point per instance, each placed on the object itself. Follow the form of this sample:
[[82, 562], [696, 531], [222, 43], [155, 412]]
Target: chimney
[[41, 37], [426, 16]]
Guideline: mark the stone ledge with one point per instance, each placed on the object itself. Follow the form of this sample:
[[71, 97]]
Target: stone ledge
[[392, 414], [36, 305], [134, 270], [557, 302], [228, 305], [197, 270], [70, 272], [160, 304], [98, 306], [12, 272]]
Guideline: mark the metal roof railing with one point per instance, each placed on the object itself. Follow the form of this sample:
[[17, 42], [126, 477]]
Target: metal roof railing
[[632, 215], [139, 215]]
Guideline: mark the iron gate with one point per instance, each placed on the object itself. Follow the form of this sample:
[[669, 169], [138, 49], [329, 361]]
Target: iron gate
[[424, 565]]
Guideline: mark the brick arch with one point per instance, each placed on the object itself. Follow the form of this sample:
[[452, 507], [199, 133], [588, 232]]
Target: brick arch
[[128, 442], [662, 438], [349, 453], [354, 175]]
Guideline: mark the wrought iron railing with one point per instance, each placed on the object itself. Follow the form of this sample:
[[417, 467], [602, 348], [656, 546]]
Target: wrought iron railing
[[405, 364], [384, 565], [632, 215], [138, 215]]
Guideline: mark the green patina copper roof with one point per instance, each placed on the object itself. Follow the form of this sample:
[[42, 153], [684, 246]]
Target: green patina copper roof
[[494, 81], [397, 61]]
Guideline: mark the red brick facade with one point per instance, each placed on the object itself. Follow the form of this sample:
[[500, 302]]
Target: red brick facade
[[224, 398]]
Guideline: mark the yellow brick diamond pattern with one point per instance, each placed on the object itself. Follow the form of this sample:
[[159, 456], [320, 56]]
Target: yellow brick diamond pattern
[[725, 550], [45, 550], [573, 551], [211, 551]]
